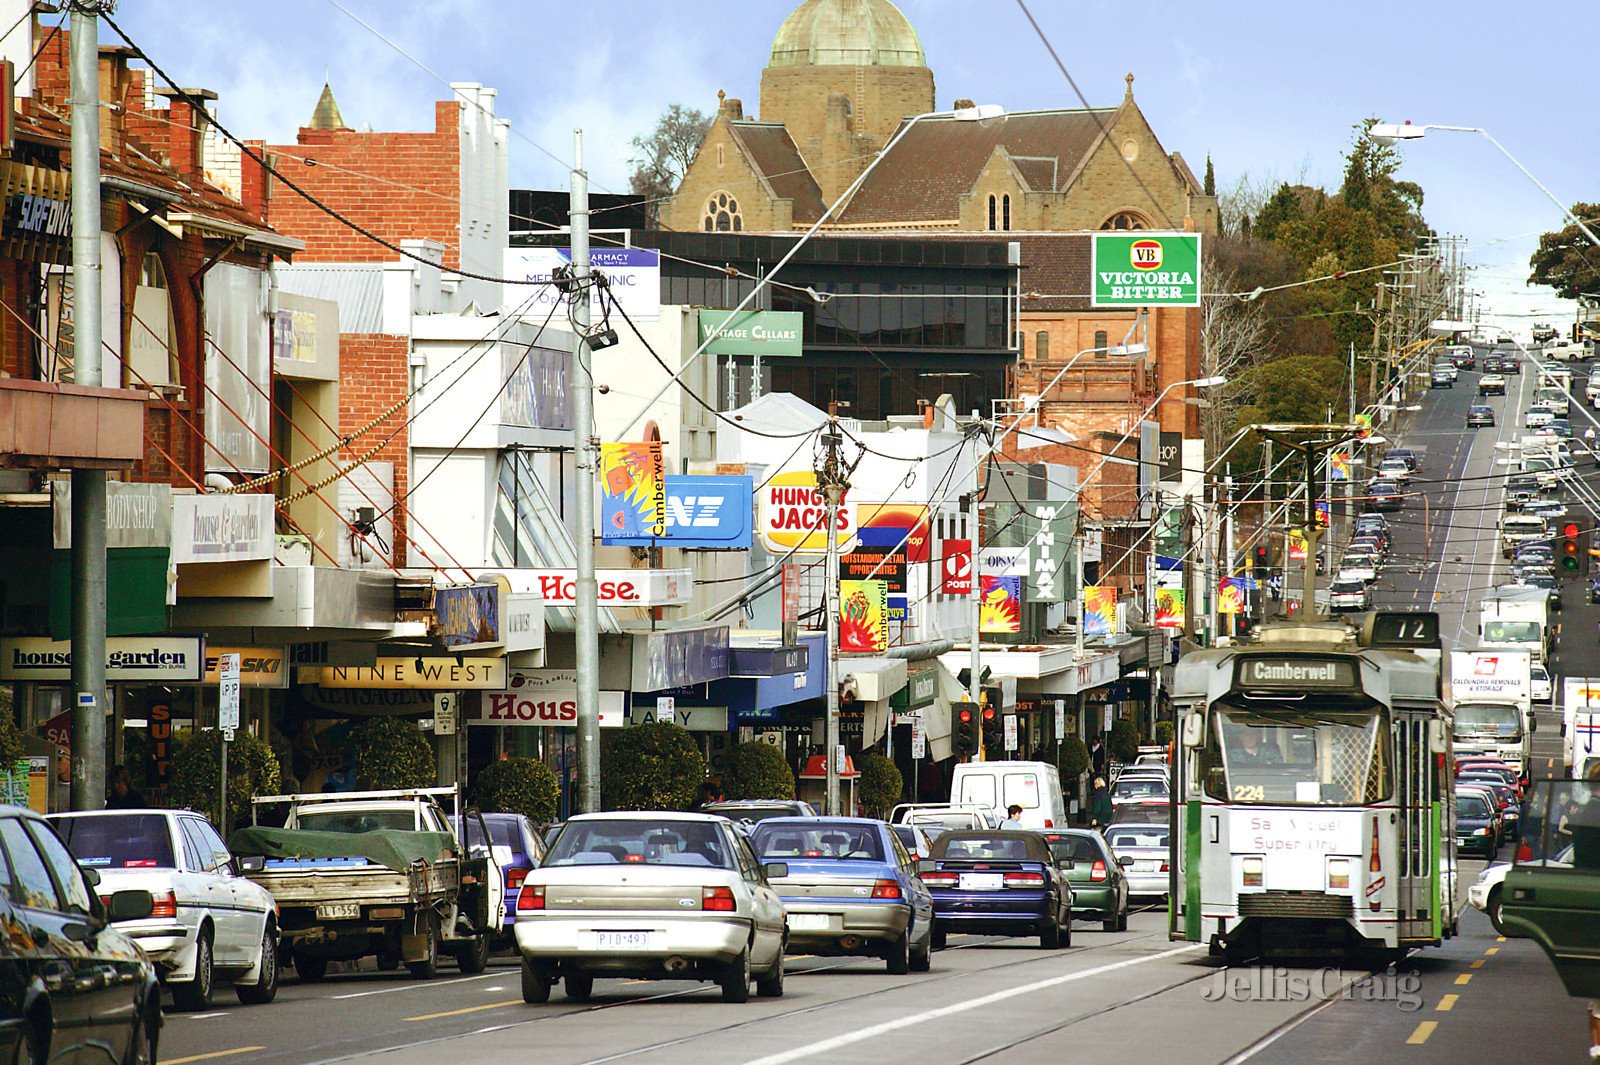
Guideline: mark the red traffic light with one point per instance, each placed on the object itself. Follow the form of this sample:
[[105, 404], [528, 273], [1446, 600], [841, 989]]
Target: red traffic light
[[988, 714], [965, 716], [1569, 529]]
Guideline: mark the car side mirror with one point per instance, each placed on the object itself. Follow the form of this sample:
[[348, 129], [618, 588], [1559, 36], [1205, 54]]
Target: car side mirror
[[775, 870], [1126, 861], [91, 876], [130, 906], [1533, 722], [1194, 731], [249, 863]]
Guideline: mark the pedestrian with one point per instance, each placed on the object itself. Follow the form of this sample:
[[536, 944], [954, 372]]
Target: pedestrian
[[1013, 818], [121, 796], [704, 795], [1100, 805], [1097, 757]]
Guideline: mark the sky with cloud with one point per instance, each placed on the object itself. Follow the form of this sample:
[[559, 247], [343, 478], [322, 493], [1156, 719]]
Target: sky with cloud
[[1269, 90]]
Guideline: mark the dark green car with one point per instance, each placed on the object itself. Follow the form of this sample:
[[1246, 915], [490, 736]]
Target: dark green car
[[1099, 888]]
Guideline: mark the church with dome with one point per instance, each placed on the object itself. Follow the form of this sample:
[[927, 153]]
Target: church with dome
[[842, 77]]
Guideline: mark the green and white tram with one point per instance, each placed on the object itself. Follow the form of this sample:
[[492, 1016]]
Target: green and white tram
[[1312, 811]]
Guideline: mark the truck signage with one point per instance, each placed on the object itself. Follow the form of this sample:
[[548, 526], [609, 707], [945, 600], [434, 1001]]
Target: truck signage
[[1502, 675]]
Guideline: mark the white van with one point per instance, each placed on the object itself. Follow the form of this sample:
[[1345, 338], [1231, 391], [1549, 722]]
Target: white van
[[1034, 786]]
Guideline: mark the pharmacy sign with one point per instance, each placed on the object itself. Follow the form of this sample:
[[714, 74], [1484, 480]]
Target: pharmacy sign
[[1142, 269]]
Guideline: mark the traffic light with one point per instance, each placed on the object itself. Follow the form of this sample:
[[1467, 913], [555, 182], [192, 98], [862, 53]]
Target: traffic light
[[966, 736], [1573, 557], [1260, 561]]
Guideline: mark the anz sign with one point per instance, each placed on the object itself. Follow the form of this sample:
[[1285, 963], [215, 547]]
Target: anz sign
[[710, 512]]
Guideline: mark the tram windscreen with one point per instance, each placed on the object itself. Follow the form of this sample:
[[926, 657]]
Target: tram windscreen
[[1511, 632], [1500, 720], [1295, 755]]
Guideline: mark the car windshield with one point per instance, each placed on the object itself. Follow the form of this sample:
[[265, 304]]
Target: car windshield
[[1121, 837], [119, 841], [1471, 805], [744, 812], [502, 832], [1348, 587], [1294, 754], [632, 841], [907, 834], [1510, 632], [1491, 719], [821, 839], [356, 821]]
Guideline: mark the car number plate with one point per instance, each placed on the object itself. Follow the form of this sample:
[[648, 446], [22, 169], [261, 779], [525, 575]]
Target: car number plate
[[982, 881], [808, 922], [625, 940], [337, 911]]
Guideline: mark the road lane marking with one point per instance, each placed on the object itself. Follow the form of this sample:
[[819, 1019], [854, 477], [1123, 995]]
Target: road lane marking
[[1447, 1003], [1499, 939], [203, 1016], [1464, 978], [824, 1046], [212, 1056], [1477, 964], [467, 1009], [1424, 1030], [415, 987], [1492, 951]]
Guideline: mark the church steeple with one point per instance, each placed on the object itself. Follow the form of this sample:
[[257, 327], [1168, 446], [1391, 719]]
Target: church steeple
[[326, 116]]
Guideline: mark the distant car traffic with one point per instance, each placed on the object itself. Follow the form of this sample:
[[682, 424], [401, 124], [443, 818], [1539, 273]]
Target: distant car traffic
[[1350, 594], [996, 882], [1479, 415], [753, 811], [1492, 384], [1100, 889], [1537, 415], [1475, 824], [1142, 852], [1382, 495]]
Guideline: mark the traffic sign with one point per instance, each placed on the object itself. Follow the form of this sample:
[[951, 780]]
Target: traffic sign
[[919, 739], [445, 705], [1011, 732], [228, 691]]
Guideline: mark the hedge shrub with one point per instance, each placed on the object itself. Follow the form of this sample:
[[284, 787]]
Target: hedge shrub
[[1164, 733], [1124, 742], [649, 767], [523, 786], [197, 767], [1073, 759], [880, 785], [391, 752], [757, 770], [10, 735]]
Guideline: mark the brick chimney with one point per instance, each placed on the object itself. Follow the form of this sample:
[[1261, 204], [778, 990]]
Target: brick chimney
[[187, 133], [964, 105], [115, 83]]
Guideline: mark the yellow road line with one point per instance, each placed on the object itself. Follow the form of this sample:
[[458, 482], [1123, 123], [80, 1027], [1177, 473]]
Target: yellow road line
[[1492, 951], [1447, 1003], [213, 1054], [1499, 939], [1424, 1030], [468, 1009], [1464, 978], [1477, 964]]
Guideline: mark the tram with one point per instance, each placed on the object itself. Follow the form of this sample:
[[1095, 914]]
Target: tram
[[1312, 784]]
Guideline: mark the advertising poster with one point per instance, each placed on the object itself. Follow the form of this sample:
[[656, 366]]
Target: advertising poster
[[1339, 466], [1322, 514], [633, 490], [1170, 608], [1230, 597], [1099, 610], [863, 616], [1001, 608], [895, 524], [1297, 545]]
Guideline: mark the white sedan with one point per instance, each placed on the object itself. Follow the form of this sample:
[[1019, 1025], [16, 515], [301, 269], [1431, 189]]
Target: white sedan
[[651, 896], [208, 924]]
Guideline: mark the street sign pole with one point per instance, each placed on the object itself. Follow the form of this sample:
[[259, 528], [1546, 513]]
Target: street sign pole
[[227, 721]]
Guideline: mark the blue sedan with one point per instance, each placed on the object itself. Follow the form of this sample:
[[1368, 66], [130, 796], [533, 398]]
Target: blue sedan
[[517, 850], [851, 889], [1004, 882]]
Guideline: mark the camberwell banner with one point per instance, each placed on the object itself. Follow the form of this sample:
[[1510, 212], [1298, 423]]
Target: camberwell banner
[[1170, 608], [633, 490], [863, 615], [1000, 609], [1230, 596], [1099, 610]]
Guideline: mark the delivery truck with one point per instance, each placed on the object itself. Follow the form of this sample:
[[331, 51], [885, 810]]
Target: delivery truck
[[1491, 701]]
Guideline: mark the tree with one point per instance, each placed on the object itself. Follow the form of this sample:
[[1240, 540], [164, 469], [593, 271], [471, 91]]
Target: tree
[[391, 752], [1209, 185], [1566, 260], [650, 767], [197, 772], [523, 786], [1231, 335], [662, 156], [757, 770], [881, 784], [1073, 758], [1124, 742]]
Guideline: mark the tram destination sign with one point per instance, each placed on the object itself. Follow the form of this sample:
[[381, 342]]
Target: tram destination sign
[[1297, 673]]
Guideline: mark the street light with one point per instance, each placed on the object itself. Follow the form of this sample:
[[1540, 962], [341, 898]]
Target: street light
[[1390, 133], [977, 113]]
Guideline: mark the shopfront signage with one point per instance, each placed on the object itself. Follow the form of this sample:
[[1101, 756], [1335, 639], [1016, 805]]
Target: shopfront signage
[[31, 215], [794, 516], [921, 690], [955, 561], [617, 587], [693, 718], [37, 222], [158, 659], [219, 527], [1145, 269], [673, 658], [708, 512], [521, 621], [633, 276], [467, 617], [766, 333], [428, 674], [259, 667], [137, 515], [768, 661], [877, 564], [545, 698]]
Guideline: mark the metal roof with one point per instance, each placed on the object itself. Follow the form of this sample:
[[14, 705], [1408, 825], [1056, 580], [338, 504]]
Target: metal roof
[[356, 287]]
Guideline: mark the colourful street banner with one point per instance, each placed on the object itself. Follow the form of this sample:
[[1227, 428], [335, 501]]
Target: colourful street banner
[[863, 616], [1170, 608], [1001, 607], [1322, 515], [633, 490], [1230, 597], [1365, 422], [1099, 610], [1297, 545], [891, 524], [1338, 465]]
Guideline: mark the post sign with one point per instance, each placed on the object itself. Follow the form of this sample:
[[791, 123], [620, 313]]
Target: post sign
[[1144, 269], [955, 561], [765, 333], [228, 691]]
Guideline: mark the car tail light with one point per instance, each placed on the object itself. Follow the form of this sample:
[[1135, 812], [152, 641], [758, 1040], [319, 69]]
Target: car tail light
[[165, 905], [717, 898], [886, 889], [1254, 871], [530, 898], [1165, 868], [939, 878], [1098, 871], [1049, 823], [1024, 880], [515, 877]]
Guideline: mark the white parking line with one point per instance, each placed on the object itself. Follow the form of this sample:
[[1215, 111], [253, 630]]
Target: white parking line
[[824, 1046], [423, 986]]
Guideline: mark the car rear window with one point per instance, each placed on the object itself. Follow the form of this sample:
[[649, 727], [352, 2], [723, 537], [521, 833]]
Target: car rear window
[[1073, 848], [1472, 805], [1144, 788], [1138, 836], [998, 847], [823, 840], [627, 841], [119, 841], [357, 821]]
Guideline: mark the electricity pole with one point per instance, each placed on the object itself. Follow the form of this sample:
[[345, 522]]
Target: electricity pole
[[586, 611], [833, 481], [975, 676], [88, 486]]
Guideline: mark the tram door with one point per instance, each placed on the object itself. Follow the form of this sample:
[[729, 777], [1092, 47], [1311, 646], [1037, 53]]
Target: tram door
[[1414, 801]]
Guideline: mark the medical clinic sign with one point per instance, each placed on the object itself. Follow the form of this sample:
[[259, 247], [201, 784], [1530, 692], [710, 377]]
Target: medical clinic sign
[[1145, 270], [794, 516]]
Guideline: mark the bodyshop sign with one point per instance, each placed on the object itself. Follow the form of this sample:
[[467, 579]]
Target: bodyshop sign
[[710, 512], [1145, 270], [618, 587], [171, 659]]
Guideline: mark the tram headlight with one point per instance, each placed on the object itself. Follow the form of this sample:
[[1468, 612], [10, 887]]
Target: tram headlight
[[1254, 869], [1338, 874]]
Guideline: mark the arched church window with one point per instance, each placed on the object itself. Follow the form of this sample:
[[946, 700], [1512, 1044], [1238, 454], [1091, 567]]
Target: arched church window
[[993, 203], [1126, 220], [722, 215], [1005, 207]]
